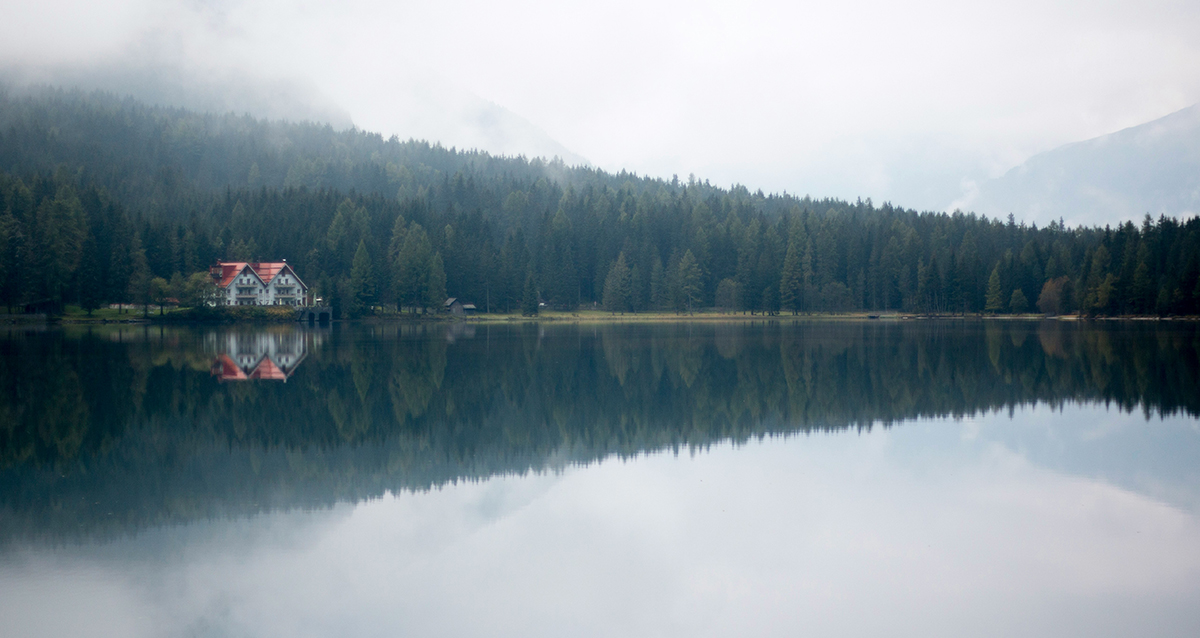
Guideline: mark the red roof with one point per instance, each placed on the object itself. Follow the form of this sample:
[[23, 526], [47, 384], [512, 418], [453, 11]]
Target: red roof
[[268, 370], [226, 370], [224, 272]]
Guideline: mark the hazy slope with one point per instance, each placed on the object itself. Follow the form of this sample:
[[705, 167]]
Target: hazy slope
[[438, 113], [1151, 168]]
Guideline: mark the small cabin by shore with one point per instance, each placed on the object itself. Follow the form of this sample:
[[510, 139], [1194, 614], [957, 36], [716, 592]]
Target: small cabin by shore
[[455, 306]]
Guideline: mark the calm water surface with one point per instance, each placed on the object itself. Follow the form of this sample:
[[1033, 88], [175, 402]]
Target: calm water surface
[[827, 479]]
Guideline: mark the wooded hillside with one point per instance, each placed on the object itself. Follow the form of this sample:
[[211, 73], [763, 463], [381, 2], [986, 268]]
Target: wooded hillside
[[100, 196]]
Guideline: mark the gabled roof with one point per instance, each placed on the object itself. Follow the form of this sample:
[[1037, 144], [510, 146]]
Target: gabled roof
[[268, 269], [268, 370], [225, 369], [264, 270], [225, 271]]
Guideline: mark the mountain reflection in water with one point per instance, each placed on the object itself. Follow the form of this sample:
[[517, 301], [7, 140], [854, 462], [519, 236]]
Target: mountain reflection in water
[[108, 431]]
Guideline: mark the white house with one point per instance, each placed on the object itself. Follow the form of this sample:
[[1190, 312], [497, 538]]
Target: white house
[[267, 283]]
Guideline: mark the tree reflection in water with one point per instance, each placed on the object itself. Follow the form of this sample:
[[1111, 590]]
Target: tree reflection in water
[[106, 431]]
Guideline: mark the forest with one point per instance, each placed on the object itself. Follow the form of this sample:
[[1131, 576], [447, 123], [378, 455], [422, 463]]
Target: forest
[[105, 200]]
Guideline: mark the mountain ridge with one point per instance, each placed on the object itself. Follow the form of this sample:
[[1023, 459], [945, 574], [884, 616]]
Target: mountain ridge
[[1151, 168]]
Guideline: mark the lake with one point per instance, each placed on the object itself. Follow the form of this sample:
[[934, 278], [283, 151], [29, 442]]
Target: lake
[[848, 478]]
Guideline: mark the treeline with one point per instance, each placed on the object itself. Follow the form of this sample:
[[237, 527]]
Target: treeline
[[103, 196], [129, 427]]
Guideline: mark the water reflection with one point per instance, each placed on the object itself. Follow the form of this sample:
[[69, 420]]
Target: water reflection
[[931, 529], [111, 431], [271, 356], [675, 480]]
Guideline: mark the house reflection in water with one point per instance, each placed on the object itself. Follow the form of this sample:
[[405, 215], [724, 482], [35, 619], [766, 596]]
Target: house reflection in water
[[261, 355]]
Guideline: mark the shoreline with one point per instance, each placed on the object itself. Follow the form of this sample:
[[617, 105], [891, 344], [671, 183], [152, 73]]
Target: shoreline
[[583, 316]]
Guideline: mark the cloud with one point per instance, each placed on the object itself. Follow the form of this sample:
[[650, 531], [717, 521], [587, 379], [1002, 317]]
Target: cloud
[[861, 98]]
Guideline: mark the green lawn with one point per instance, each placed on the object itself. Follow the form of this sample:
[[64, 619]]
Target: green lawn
[[75, 312]]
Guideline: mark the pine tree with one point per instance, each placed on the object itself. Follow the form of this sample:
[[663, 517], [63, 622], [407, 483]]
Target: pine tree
[[10, 249], [139, 275], [995, 298], [1143, 287], [362, 283], [791, 281], [59, 233], [394, 254], [659, 297], [689, 281], [807, 277], [727, 294], [411, 271], [1019, 302], [435, 285], [618, 287], [529, 300], [87, 277]]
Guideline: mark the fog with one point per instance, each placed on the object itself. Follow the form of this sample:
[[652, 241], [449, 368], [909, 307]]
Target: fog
[[917, 104]]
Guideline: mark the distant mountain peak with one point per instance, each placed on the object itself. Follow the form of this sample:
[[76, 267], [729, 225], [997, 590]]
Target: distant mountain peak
[[1150, 168]]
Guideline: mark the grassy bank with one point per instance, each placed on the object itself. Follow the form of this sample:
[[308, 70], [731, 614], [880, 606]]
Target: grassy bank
[[602, 316], [278, 314], [203, 314]]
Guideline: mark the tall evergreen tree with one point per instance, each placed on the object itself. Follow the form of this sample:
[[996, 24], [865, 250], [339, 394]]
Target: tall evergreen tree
[[529, 299], [362, 283], [87, 278], [1019, 303], [435, 287], [791, 282], [995, 296], [659, 295], [139, 275], [689, 281], [412, 268], [618, 287]]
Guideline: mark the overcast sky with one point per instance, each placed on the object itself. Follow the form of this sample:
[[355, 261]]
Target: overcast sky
[[903, 102]]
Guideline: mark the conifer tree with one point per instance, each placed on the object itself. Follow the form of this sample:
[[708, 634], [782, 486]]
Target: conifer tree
[[362, 283], [529, 300], [659, 298], [435, 287], [1143, 287], [1019, 303], [139, 275], [618, 287], [411, 272], [727, 294], [87, 277], [995, 298], [689, 281], [791, 282], [394, 253]]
